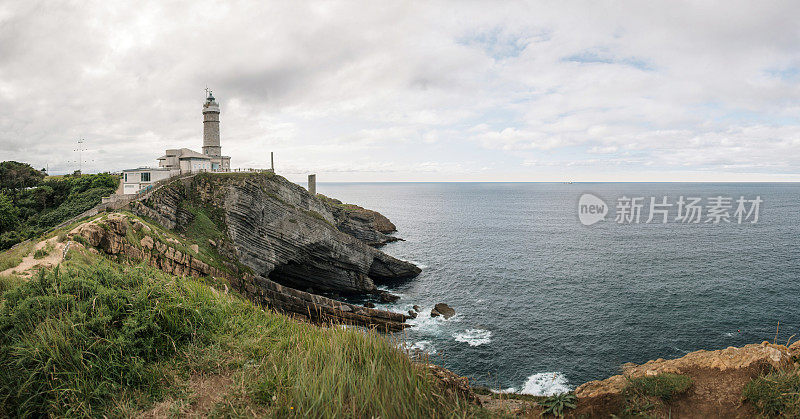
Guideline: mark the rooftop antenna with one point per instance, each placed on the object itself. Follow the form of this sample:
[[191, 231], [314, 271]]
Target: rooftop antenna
[[80, 149]]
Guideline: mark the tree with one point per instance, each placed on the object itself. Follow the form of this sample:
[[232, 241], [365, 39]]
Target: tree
[[15, 176], [8, 214]]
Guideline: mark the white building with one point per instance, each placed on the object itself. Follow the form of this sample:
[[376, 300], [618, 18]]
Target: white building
[[183, 160], [186, 161], [135, 180]]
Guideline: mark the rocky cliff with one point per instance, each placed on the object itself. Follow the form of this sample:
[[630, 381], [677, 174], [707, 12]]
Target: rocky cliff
[[129, 238], [281, 232], [369, 226]]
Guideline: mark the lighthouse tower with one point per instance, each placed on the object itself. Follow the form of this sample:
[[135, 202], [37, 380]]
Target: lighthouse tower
[[211, 145], [183, 160]]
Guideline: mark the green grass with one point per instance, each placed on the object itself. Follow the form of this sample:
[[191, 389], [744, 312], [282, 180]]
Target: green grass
[[339, 204], [202, 229], [8, 282], [663, 386], [95, 338], [775, 394], [208, 224], [645, 394]]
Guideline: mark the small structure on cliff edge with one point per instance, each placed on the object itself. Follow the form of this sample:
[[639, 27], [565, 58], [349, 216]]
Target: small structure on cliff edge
[[312, 184], [183, 160]]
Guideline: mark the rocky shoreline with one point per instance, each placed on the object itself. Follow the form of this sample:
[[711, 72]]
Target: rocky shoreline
[[276, 240], [716, 385]]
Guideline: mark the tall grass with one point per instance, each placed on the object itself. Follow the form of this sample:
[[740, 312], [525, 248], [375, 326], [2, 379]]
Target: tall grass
[[71, 340], [94, 338], [337, 372], [7, 282], [776, 393]]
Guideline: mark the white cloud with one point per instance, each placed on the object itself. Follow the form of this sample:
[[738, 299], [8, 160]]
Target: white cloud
[[397, 88]]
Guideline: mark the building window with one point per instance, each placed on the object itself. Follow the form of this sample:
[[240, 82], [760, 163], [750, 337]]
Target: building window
[[145, 177], [126, 177]]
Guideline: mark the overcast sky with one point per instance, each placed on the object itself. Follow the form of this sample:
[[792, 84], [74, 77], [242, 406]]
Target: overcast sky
[[411, 91]]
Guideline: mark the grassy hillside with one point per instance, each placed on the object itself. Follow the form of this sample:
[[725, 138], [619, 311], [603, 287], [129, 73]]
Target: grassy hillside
[[92, 337]]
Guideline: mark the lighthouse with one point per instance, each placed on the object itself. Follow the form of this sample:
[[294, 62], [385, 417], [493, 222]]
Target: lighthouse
[[211, 145], [183, 160]]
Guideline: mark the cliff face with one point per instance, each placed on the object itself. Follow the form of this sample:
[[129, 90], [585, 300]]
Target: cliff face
[[281, 232]]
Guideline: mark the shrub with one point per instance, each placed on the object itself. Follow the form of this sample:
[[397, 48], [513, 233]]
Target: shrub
[[775, 394], [48, 204], [75, 204], [556, 405], [8, 213], [10, 238]]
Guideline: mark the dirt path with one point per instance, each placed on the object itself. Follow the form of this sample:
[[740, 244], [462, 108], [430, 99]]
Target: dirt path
[[207, 391], [30, 264]]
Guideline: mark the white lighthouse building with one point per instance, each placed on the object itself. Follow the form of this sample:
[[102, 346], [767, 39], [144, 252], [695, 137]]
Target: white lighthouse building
[[211, 145], [183, 160], [211, 159]]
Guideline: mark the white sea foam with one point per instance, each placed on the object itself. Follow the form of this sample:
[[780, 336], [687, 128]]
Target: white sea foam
[[422, 345], [546, 384], [426, 324], [474, 337], [389, 290], [419, 264]]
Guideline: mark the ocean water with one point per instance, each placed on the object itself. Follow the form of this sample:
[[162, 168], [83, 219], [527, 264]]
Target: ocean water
[[545, 303]]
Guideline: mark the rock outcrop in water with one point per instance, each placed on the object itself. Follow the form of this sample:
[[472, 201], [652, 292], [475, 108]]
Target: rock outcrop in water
[[444, 310]]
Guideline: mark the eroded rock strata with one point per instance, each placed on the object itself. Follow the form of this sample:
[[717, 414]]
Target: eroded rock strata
[[287, 237], [369, 226], [129, 238]]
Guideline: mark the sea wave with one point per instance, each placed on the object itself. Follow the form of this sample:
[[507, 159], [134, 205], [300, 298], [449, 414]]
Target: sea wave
[[546, 384], [425, 324], [418, 264], [474, 337]]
